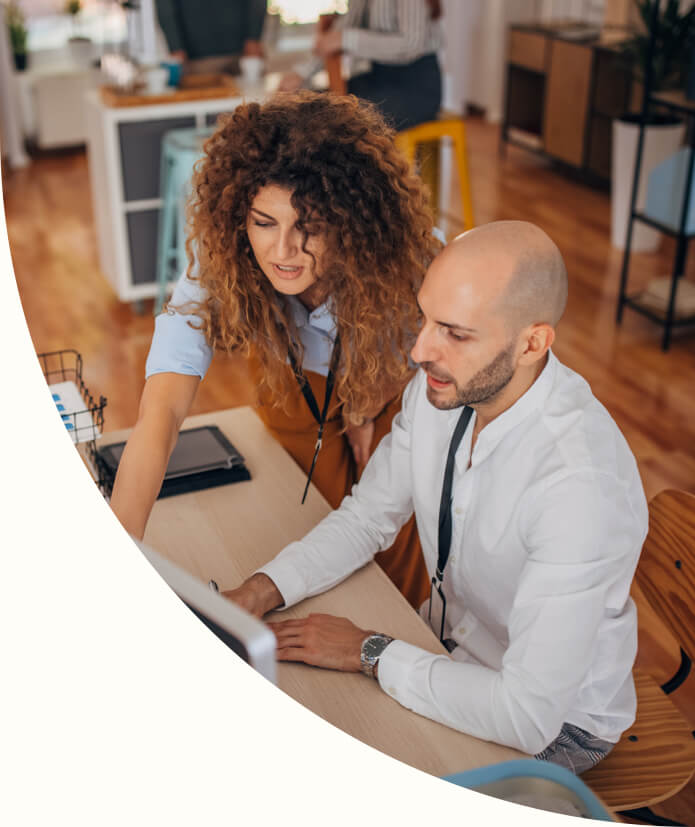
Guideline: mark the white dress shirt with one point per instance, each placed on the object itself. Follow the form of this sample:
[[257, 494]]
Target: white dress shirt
[[179, 348], [549, 517]]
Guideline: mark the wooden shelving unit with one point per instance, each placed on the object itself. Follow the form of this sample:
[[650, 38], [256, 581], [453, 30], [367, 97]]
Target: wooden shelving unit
[[564, 87]]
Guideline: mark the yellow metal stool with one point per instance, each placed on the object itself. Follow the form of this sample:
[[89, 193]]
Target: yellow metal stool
[[409, 139]]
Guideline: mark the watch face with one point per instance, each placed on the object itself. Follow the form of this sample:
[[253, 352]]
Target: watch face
[[374, 646]]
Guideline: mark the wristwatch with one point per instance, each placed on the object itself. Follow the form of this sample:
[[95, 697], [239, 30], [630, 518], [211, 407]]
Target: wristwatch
[[372, 648]]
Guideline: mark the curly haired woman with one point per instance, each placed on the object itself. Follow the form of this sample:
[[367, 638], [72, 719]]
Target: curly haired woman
[[309, 237]]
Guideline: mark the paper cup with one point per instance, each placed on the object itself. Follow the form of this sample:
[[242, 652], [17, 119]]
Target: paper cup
[[251, 68], [156, 80]]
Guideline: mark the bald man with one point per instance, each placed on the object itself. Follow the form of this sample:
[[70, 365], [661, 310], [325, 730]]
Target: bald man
[[530, 511]]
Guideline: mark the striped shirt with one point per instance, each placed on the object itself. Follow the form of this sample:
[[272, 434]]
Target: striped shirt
[[385, 31]]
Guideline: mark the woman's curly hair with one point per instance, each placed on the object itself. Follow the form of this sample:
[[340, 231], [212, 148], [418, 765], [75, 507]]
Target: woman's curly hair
[[337, 157]]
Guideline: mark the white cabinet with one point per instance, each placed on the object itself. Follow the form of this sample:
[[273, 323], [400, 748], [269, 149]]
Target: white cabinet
[[124, 148]]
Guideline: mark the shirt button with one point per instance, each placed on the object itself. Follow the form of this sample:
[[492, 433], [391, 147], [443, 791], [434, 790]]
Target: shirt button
[[392, 691], [462, 630], [458, 511]]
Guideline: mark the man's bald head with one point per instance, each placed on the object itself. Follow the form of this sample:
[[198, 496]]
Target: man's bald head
[[526, 273], [490, 302]]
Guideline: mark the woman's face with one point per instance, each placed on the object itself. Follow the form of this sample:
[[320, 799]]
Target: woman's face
[[277, 242]]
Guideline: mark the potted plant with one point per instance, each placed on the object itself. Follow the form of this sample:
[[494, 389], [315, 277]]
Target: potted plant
[[16, 24], [674, 32]]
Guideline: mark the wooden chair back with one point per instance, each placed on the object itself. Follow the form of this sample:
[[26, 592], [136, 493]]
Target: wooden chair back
[[655, 758], [666, 571]]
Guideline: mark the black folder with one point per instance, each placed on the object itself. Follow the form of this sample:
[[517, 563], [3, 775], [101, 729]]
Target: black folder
[[202, 458]]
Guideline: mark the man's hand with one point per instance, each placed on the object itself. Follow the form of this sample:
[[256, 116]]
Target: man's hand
[[321, 640], [360, 438], [328, 43], [253, 48], [258, 595], [290, 82]]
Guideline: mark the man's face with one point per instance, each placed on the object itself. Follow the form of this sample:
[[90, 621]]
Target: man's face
[[464, 345]]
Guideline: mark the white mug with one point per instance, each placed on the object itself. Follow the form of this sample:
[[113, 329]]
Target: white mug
[[251, 68], [156, 80]]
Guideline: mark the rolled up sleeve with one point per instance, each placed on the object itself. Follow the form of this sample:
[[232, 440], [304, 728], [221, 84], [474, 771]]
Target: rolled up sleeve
[[178, 344]]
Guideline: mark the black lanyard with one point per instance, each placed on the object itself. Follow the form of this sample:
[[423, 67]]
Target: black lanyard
[[444, 546], [308, 394]]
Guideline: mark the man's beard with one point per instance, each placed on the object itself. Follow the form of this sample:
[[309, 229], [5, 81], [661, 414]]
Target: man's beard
[[483, 387]]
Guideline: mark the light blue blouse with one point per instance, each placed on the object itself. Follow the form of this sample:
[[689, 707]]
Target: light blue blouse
[[178, 348]]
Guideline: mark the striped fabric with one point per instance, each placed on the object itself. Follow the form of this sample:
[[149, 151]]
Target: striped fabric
[[575, 749], [390, 31], [393, 32]]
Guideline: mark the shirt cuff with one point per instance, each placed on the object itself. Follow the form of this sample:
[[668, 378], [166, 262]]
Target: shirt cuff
[[397, 665], [286, 577]]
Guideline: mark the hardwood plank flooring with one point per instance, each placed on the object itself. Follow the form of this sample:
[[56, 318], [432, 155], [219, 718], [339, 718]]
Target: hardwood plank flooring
[[69, 304]]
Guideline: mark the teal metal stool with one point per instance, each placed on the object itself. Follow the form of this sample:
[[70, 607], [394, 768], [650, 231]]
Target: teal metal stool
[[534, 783], [181, 148]]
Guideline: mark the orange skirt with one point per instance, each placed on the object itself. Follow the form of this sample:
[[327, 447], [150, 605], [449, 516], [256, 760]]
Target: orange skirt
[[335, 473]]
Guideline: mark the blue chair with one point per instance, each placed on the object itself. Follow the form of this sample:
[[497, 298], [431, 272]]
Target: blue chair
[[525, 777], [181, 148]]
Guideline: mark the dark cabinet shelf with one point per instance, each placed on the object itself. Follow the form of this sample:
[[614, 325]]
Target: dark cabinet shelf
[[565, 86]]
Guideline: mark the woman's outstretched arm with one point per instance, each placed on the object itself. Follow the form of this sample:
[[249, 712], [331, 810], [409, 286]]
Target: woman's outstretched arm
[[165, 402]]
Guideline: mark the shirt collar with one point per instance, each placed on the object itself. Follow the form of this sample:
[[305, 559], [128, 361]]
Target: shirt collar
[[320, 319], [531, 401]]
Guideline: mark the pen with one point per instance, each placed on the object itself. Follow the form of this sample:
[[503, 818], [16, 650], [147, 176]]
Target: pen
[[212, 585]]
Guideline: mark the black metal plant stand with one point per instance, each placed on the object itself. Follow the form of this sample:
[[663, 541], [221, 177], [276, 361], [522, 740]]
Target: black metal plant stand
[[676, 103]]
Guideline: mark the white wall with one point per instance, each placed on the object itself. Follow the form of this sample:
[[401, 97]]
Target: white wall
[[475, 50]]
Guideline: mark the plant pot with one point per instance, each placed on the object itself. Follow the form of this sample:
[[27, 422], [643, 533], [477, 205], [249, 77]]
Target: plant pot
[[20, 61], [662, 137]]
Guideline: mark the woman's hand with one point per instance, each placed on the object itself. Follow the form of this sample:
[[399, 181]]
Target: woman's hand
[[328, 43], [360, 438]]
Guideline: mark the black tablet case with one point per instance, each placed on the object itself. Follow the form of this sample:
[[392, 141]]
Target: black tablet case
[[202, 458]]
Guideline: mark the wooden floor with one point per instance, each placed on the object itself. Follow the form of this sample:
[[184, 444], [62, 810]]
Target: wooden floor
[[651, 395]]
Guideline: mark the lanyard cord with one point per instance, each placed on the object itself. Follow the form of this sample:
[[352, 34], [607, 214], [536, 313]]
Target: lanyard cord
[[308, 394], [445, 503]]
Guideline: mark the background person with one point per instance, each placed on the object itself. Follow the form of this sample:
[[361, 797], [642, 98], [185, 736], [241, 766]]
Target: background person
[[211, 35], [400, 38], [308, 228], [546, 519]]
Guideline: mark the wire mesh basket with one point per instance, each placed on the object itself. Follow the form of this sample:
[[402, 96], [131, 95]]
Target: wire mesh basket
[[82, 415]]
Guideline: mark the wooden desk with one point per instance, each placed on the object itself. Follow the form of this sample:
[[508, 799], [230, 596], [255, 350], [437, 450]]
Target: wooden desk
[[228, 532]]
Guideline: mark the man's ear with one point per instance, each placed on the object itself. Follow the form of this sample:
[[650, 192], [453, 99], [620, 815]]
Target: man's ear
[[537, 340]]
